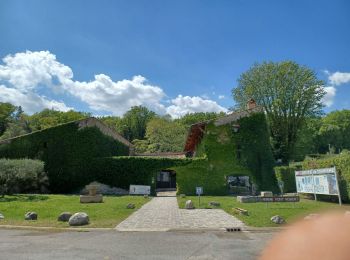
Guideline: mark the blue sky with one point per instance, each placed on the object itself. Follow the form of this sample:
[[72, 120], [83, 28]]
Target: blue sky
[[186, 55]]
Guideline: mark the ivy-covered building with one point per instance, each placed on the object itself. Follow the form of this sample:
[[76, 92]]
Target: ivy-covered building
[[227, 150], [218, 151], [67, 150]]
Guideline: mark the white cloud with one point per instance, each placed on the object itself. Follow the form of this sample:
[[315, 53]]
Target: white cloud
[[221, 96], [329, 97], [103, 94], [30, 101], [339, 78], [183, 105], [25, 76], [26, 70]]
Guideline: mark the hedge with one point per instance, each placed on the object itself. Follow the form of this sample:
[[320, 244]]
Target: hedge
[[66, 151], [19, 176], [125, 170], [287, 175]]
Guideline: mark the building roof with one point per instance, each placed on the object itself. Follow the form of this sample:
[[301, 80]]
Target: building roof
[[82, 123], [196, 131], [163, 155]]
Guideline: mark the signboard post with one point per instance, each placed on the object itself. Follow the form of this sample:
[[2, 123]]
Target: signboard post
[[199, 192], [318, 181]]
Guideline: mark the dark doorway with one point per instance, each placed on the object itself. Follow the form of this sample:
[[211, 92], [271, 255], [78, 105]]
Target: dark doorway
[[166, 179]]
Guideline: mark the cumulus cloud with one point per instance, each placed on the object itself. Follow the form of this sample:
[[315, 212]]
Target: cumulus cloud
[[25, 76], [221, 96], [103, 94], [329, 97], [183, 105], [334, 79], [339, 78], [30, 102]]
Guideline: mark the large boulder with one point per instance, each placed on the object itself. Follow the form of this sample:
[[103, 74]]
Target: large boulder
[[278, 220], [189, 205], [31, 216], [64, 216], [79, 219]]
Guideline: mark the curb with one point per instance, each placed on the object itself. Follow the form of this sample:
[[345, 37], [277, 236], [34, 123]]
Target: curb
[[57, 229]]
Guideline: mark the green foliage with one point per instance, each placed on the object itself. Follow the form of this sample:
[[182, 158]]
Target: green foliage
[[17, 124], [134, 122], [342, 164], [334, 131], [49, 118], [256, 153], [122, 171], [165, 135], [192, 118], [225, 153], [6, 112], [19, 176], [288, 92], [66, 151], [287, 175]]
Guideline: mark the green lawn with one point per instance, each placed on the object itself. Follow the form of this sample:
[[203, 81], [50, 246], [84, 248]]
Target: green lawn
[[259, 214], [107, 214]]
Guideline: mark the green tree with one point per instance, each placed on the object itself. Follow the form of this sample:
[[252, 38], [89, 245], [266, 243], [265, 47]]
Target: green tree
[[193, 118], [335, 131], [6, 114], [165, 135], [289, 93], [49, 118], [18, 124], [134, 122]]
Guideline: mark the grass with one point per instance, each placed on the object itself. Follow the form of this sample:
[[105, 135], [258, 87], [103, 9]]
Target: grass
[[107, 214], [260, 214]]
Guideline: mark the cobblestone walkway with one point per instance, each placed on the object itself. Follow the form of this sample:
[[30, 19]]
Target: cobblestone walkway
[[163, 213]]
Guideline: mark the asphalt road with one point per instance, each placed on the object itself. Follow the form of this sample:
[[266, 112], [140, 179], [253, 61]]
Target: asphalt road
[[33, 244]]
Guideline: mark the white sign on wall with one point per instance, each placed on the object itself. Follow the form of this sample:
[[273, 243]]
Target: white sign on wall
[[140, 190], [318, 181]]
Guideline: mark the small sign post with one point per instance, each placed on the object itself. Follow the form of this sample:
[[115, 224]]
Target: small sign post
[[199, 192], [281, 186]]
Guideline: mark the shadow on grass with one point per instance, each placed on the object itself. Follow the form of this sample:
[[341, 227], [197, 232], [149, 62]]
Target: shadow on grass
[[24, 198]]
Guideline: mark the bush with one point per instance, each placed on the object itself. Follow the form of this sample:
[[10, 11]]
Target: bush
[[287, 175], [21, 176]]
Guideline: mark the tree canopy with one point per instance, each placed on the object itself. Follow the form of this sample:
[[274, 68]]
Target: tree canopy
[[289, 93]]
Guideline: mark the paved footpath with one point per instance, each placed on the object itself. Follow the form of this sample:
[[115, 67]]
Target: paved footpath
[[163, 214]]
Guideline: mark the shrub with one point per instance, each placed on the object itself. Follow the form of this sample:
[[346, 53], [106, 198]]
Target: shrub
[[287, 175], [21, 176]]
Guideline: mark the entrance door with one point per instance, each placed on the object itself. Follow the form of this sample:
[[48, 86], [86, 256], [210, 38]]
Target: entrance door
[[166, 180]]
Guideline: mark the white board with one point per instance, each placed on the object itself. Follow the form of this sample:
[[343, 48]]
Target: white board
[[140, 190], [317, 181]]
